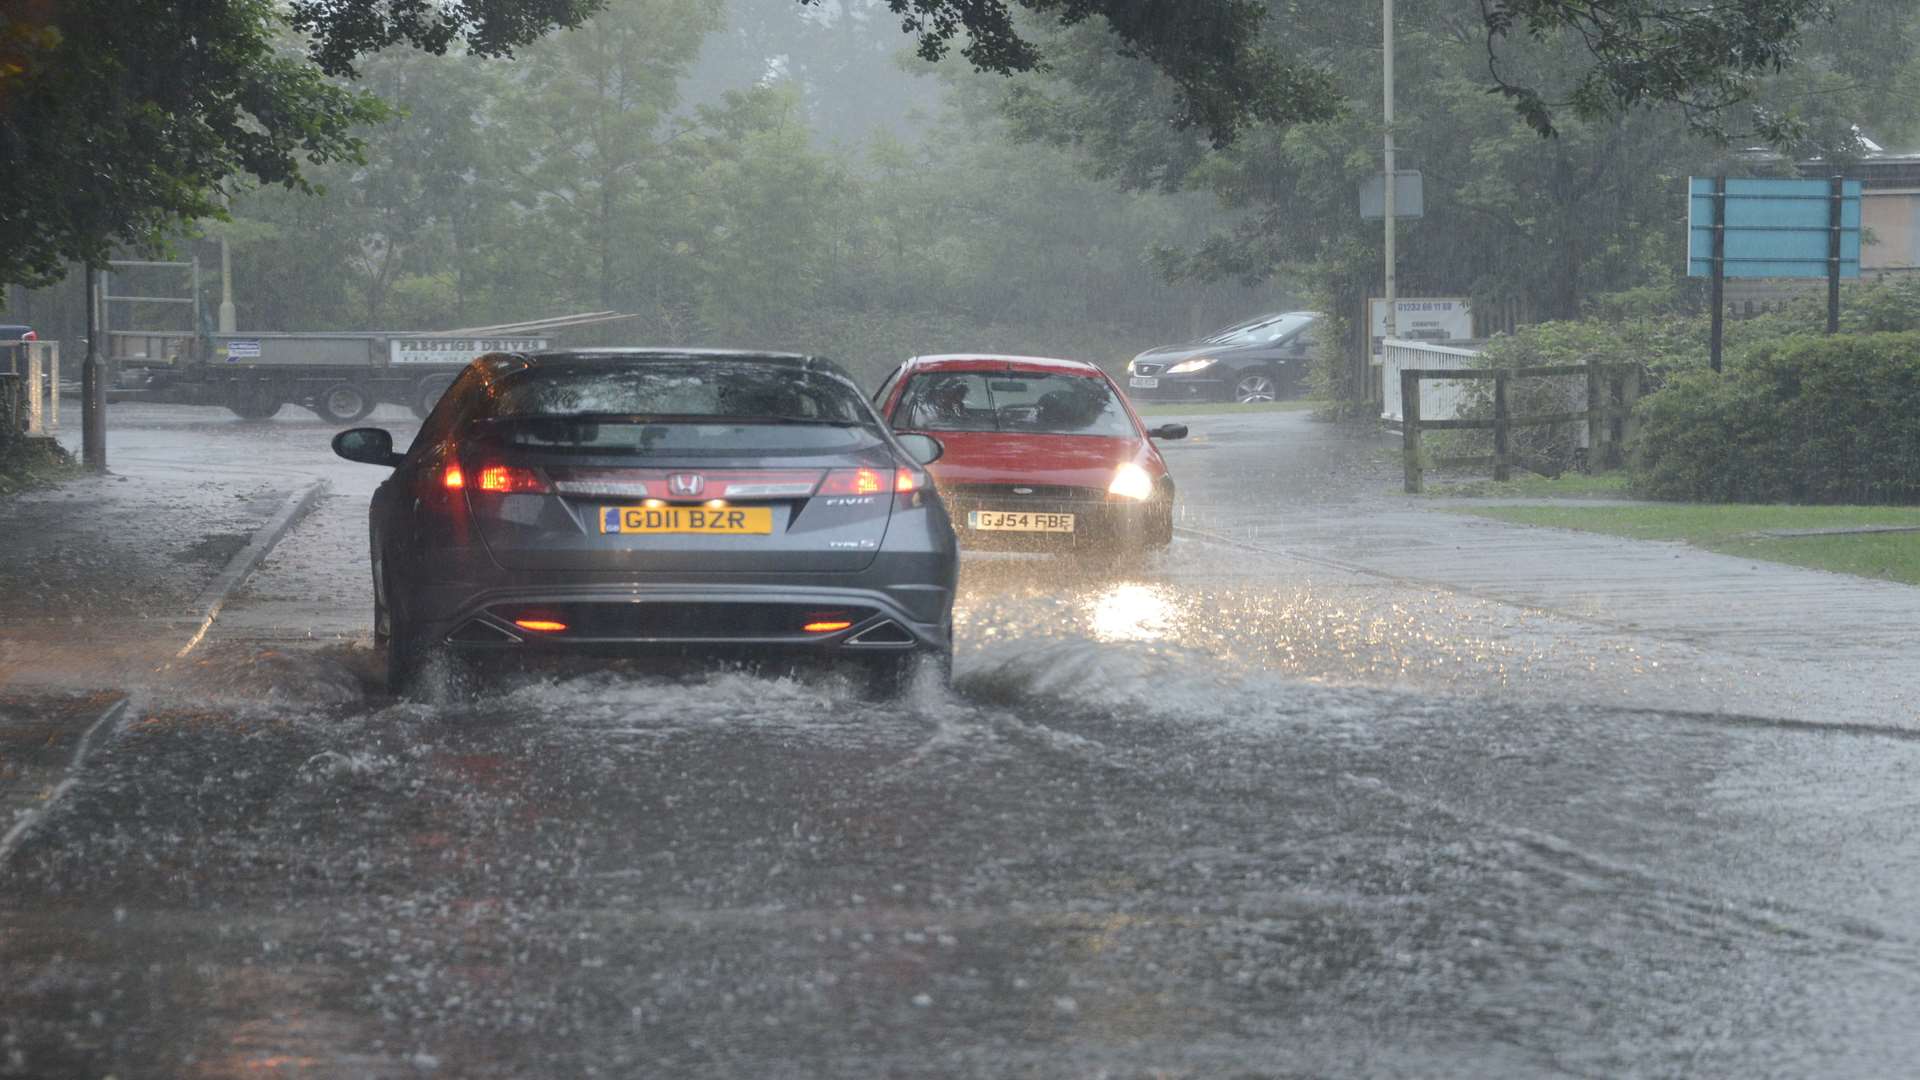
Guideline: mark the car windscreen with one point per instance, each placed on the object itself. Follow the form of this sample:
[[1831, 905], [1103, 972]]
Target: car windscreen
[[709, 407], [1260, 331], [1058, 404]]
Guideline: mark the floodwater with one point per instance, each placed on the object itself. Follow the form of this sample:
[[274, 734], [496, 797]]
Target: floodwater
[[1236, 814]]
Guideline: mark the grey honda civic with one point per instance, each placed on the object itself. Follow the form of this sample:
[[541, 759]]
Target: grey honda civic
[[636, 501]]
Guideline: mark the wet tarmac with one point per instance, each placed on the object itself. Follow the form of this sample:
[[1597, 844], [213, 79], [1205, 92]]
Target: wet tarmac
[[1242, 813]]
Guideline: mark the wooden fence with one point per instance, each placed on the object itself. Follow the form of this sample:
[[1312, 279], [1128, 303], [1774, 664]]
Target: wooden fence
[[1611, 391]]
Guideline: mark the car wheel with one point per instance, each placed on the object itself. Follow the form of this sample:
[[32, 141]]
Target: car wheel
[[343, 403], [1255, 387], [406, 657], [253, 400]]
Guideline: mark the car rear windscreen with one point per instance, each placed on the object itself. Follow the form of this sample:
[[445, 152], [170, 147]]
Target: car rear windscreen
[[989, 401], [702, 407]]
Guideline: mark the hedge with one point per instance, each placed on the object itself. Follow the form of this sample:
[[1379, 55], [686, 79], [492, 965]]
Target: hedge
[[1797, 419]]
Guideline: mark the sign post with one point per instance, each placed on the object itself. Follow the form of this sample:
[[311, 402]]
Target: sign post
[[1754, 228], [1718, 292], [1836, 202]]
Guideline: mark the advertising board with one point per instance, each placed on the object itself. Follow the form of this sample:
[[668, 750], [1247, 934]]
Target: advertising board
[[452, 352], [1430, 318]]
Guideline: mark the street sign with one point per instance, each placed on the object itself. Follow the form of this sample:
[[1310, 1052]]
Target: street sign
[[1774, 228], [438, 350], [1416, 318], [1748, 228], [1409, 195]]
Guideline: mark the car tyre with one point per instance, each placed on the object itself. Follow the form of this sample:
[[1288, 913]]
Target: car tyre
[[1256, 387], [344, 402]]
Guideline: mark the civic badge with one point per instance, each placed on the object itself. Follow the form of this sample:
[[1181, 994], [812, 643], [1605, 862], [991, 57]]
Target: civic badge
[[686, 484]]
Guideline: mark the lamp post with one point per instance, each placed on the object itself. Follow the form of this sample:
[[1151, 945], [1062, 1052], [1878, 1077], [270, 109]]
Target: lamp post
[[1386, 67], [226, 289], [93, 395]]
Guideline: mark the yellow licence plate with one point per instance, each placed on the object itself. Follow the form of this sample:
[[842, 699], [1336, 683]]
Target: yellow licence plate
[[729, 520]]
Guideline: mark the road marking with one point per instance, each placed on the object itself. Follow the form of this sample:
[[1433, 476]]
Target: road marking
[[114, 714]]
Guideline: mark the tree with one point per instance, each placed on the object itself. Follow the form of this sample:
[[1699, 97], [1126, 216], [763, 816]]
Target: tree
[[1532, 228], [1227, 72], [587, 118], [121, 119]]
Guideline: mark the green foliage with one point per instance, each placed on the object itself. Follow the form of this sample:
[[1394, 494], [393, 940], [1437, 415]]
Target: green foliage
[[30, 463], [1701, 57], [138, 116], [1222, 68], [583, 183], [341, 31], [1532, 229], [1805, 419]]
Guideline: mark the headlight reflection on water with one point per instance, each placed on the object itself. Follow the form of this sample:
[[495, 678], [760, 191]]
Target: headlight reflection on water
[[1132, 612]]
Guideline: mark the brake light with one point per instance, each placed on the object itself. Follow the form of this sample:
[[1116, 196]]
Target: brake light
[[545, 626], [852, 482], [511, 480], [453, 479], [826, 626], [905, 481]]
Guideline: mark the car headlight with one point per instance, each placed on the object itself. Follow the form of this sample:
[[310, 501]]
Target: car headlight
[[1132, 482], [1188, 367]]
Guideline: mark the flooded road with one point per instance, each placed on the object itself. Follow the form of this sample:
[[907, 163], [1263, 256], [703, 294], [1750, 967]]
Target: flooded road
[[1237, 814]]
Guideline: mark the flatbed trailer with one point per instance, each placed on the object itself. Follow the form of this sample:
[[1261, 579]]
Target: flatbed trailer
[[340, 376]]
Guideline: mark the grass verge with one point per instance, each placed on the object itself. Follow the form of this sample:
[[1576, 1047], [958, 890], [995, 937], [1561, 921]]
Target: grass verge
[[1739, 529], [1572, 485], [1210, 408], [30, 463]]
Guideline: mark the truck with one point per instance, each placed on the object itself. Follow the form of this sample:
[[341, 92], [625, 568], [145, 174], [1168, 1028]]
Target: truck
[[341, 376]]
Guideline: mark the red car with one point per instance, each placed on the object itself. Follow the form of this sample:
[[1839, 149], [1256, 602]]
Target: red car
[[1041, 454]]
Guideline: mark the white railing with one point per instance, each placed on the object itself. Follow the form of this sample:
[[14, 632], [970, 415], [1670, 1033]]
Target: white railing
[[1440, 399], [43, 388]]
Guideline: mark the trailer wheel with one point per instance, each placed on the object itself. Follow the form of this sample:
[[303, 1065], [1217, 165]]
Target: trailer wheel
[[343, 403], [427, 393], [253, 400]]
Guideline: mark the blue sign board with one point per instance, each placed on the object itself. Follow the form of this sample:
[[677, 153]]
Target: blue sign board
[[1774, 228]]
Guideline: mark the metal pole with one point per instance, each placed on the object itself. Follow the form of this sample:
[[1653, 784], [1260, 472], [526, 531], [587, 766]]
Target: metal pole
[[1718, 293], [1386, 67], [226, 289], [1835, 200], [194, 310], [93, 397]]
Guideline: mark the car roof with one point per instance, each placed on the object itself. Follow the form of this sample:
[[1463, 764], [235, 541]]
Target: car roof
[[791, 359], [577, 359], [1003, 362]]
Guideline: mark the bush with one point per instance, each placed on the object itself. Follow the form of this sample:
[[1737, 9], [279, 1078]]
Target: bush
[[1796, 419]]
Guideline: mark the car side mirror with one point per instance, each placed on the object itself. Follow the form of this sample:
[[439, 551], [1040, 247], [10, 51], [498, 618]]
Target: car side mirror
[[1169, 431], [924, 449], [367, 445]]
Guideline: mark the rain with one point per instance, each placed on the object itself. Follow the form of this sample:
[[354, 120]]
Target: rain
[[1437, 739]]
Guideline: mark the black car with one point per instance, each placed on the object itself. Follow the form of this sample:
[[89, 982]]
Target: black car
[[1262, 359], [642, 500]]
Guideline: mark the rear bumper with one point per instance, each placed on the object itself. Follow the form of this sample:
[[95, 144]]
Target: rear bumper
[[643, 618]]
